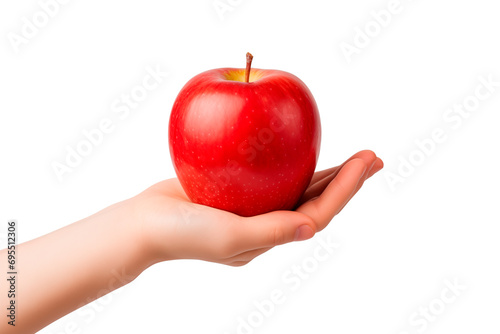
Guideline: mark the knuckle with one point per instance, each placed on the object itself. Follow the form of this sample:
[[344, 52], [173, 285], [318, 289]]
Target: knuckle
[[279, 236]]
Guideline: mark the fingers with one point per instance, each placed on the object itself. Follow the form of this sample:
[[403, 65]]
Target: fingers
[[323, 178], [377, 165], [316, 189], [321, 174], [365, 155], [272, 229], [323, 208]]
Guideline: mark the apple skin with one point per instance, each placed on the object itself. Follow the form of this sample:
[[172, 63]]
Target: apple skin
[[245, 147]]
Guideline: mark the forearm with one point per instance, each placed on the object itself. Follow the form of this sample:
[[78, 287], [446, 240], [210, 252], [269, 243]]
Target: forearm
[[70, 267]]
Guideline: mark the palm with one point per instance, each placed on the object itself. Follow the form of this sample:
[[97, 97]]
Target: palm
[[183, 229]]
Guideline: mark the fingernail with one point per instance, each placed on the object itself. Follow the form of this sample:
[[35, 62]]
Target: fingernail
[[303, 232]]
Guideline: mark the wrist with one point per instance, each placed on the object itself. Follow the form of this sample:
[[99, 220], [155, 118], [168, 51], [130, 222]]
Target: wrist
[[125, 235], [148, 226]]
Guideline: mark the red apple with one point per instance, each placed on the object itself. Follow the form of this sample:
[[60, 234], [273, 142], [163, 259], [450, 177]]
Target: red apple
[[245, 140]]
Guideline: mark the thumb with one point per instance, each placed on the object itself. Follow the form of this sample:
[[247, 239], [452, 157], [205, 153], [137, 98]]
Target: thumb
[[276, 228]]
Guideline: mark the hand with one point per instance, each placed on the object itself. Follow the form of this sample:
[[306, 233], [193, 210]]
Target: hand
[[175, 228]]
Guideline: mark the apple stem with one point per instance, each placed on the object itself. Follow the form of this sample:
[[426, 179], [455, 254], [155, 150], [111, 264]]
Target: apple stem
[[249, 65]]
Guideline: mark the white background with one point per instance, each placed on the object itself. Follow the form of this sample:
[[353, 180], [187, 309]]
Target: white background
[[398, 245]]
